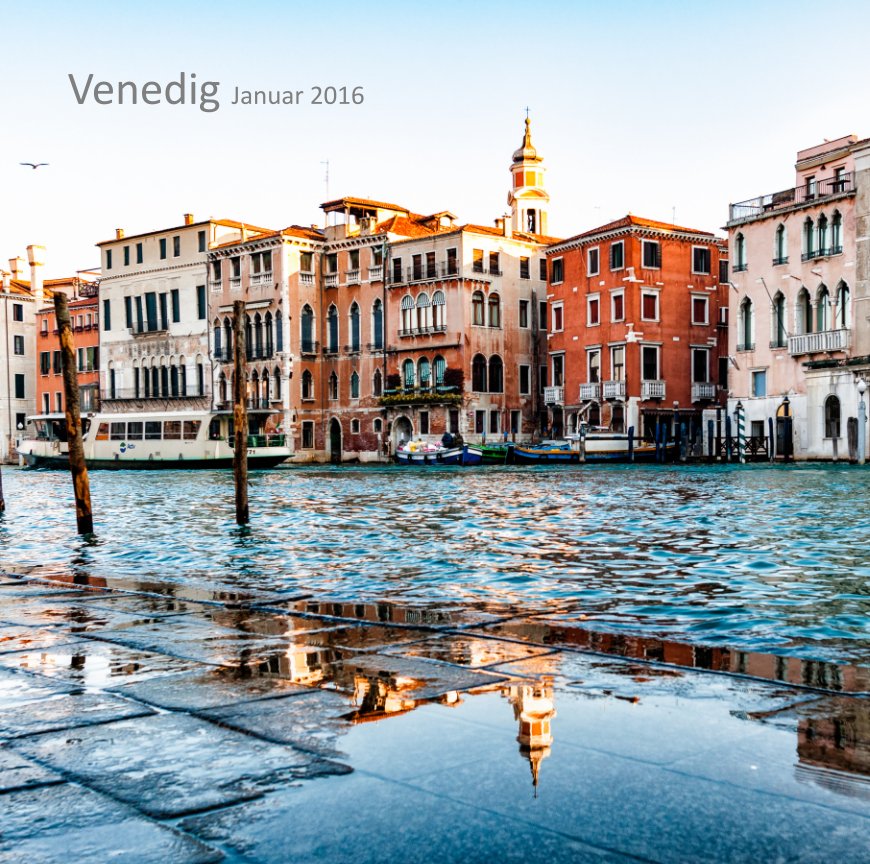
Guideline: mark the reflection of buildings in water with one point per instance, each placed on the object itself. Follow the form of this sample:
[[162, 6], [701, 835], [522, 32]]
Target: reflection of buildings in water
[[836, 741], [533, 709]]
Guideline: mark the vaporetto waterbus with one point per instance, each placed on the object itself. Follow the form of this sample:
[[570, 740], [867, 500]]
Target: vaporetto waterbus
[[147, 440]]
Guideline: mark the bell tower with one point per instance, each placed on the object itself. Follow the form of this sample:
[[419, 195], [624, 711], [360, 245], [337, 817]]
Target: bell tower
[[528, 199]]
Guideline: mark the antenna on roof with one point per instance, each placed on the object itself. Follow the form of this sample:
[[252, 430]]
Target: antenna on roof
[[674, 216], [326, 177]]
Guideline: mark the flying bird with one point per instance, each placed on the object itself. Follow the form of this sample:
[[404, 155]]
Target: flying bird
[[33, 165]]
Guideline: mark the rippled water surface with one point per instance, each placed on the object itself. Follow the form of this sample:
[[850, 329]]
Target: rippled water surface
[[760, 558]]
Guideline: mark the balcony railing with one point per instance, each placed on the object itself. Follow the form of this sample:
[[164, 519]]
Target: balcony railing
[[554, 395], [215, 285], [589, 391], [703, 392], [306, 278], [745, 346], [376, 274], [307, 346], [352, 349], [807, 194], [816, 343], [332, 280], [273, 440], [652, 390], [740, 268], [782, 260], [614, 389], [235, 283], [261, 280], [824, 252], [352, 276]]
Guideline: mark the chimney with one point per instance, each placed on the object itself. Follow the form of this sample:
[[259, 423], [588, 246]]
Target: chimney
[[119, 233], [5, 274], [499, 223], [506, 225], [16, 266], [36, 258], [244, 232], [188, 218]]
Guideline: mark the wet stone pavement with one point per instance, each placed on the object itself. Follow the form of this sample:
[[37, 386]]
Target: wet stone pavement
[[146, 723]]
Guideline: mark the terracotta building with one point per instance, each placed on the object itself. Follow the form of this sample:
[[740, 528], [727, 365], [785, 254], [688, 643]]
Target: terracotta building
[[637, 320]]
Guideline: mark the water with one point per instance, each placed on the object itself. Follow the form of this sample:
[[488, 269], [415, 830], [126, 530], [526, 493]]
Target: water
[[757, 558]]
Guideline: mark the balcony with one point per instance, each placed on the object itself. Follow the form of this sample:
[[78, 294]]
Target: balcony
[[824, 252], [306, 278], [781, 260], [352, 277], [745, 346], [817, 343], [332, 280], [235, 283], [808, 194], [376, 274], [614, 389], [309, 348], [589, 391], [703, 392], [352, 349], [215, 285], [554, 395], [261, 280], [652, 390]]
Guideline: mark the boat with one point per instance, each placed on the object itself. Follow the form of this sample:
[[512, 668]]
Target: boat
[[496, 454], [423, 453], [147, 440], [604, 445], [547, 452]]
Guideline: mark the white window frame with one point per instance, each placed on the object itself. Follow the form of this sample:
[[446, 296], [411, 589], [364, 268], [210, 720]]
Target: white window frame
[[613, 295], [643, 246], [528, 323], [658, 348], [553, 307], [596, 298], [706, 350], [552, 266], [597, 270], [652, 292], [701, 272], [594, 349], [622, 266], [706, 300]]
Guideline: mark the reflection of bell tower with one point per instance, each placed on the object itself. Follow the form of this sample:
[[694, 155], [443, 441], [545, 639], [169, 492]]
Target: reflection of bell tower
[[528, 198], [534, 708]]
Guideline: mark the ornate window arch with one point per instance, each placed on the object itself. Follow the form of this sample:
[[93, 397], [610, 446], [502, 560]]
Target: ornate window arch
[[306, 323], [746, 333], [832, 417], [354, 327], [332, 328], [493, 305], [477, 309], [424, 318], [439, 318], [407, 313], [496, 374], [844, 307], [478, 373]]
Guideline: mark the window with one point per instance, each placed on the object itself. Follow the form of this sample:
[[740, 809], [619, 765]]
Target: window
[[839, 184], [739, 254], [307, 330], [494, 309], [652, 254], [126, 256], [416, 266], [176, 246], [780, 246], [354, 327], [478, 374], [542, 267], [822, 234], [700, 310], [593, 366], [333, 385], [46, 403], [524, 313], [558, 322], [377, 425], [832, 417], [201, 308], [810, 187], [424, 310], [44, 325], [307, 385], [44, 362], [593, 310], [524, 268], [592, 268], [477, 260], [557, 271], [844, 307], [440, 365], [617, 363], [809, 236], [162, 248], [17, 311], [452, 268], [759, 383], [477, 308], [723, 270], [430, 265], [176, 305], [479, 422], [617, 255], [804, 312], [306, 262], [408, 372], [408, 314], [377, 256], [649, 306], [377, 383], [494, 267], [164, 312], [19, 386], [649, 362], [378, 325], [778, 333], [823, 309], [354, 386], [397, 270], [58, 402], [261, 263], [200, 241], [746, 333], [424, 422], [438, 314], [700, 365], [57, 362], [18, 345], [424, 373], [617, 306], [525, 380], [494, 422], [496, 374], [700, 259], [108, 259], [307, 434], [139, 255], [836, 233], [332, 329], [558, 364]]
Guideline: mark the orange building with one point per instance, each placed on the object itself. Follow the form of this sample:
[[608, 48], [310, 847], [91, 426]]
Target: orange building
[[84, 315], [637, 320]]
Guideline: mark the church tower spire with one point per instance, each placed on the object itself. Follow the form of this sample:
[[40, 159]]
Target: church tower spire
[[528, 199]]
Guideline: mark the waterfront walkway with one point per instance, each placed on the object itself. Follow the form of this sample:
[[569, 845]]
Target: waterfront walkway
[[154, 723]]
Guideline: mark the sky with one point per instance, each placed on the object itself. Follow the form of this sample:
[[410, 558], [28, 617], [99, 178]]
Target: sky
[[669, 110]]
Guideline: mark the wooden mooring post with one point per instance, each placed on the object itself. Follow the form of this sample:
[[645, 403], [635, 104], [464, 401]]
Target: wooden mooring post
[[240, 413], [77, 467]]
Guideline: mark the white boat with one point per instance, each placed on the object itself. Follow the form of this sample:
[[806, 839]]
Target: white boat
[[149, 440], [603, 445]]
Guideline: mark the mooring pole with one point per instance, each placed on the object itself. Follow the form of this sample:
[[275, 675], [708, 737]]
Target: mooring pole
[[77, 467], [240, 414], [2, 499]]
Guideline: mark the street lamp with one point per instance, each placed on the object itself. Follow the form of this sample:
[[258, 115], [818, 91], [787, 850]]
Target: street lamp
[[862, 422]]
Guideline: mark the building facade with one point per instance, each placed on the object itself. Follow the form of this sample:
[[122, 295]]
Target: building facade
[[636, 336], [799, 337]]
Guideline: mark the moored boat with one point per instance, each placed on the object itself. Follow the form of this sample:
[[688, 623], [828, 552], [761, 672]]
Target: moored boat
[[495, 454], [147, 440], [603, 445], [547, 452]]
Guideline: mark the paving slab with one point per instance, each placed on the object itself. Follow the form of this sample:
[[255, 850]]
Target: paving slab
[[364, 820], [15, 637], [474, 652], [17, 772], [72, 613], [168, 765], [68, 823], [17, 689]]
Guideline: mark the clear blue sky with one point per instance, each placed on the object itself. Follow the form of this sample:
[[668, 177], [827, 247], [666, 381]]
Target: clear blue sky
[[636, 106]]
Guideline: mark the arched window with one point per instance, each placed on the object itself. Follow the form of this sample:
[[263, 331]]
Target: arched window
[[477, 308], [377, 383], [423, 310], [307, 385], [249, 337], [739, 252], [265, 387], [258, 335], [832, 417], [354, 327], [332, 329], [408, 374], [804, 310], [780, 246], [439, 320], [836, 233], [222, 388], [145, 376], [822, 231], [354, 386], [407, 314], [218, 333], [378, 325], [333, 385], [424, 373], [254, 390], [228, 340], [307, 324], [269, 335], [112, 381], [844, 307], [809, 238], [440, 365], [494, 307], [155, 381], [496, 374], [823, 309], [279, 331], [182, 376], [276, 386], [164, 379], [778, 334], [746, 334], [478, 373]]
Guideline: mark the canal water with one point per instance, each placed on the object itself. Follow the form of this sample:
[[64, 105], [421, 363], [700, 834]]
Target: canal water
[[755, 558]]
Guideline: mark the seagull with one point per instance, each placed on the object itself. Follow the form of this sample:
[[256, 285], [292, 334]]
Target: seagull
[[33, 165]]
